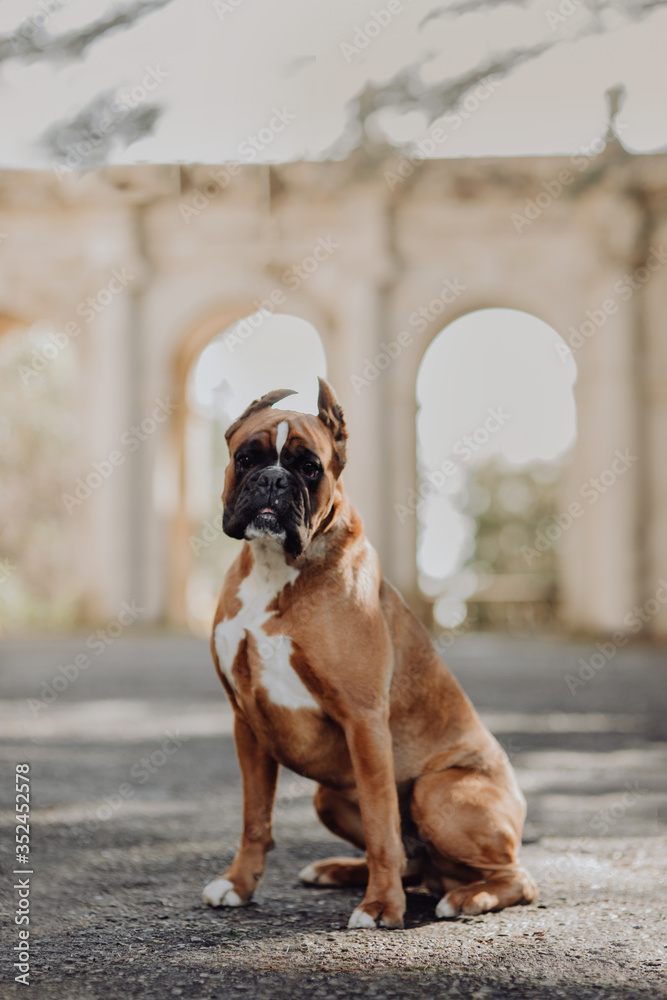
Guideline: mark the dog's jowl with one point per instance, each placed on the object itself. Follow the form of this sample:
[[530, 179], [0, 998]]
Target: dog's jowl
[[330, 674]]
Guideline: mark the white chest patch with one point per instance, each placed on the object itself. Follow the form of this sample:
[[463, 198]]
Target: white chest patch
[[269, 575]]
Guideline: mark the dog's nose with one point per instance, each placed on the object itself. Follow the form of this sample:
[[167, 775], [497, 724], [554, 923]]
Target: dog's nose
[[273, 479]]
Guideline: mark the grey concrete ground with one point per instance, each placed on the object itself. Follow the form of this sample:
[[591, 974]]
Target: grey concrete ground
[[135, 805]]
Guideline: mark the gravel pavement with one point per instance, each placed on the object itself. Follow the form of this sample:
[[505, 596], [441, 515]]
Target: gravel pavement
[[135, 805]]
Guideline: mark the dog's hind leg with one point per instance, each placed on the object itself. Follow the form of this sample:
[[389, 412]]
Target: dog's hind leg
[[495, 893], [472, 824], [341, 815]]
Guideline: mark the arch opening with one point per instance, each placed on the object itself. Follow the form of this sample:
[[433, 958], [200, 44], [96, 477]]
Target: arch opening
[[496, 423], [243, 361]]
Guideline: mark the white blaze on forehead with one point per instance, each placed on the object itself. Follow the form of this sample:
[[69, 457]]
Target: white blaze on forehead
[[282, 432]]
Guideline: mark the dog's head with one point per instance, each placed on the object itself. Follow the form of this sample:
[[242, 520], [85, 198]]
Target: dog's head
[[281, 479]]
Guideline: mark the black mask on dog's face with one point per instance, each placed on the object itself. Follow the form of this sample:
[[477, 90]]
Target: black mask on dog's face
[[284, 466]]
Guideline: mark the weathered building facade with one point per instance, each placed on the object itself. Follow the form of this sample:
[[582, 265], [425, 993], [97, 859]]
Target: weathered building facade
[[142, 266]]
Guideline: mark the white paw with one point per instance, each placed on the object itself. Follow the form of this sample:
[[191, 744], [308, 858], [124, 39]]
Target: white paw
[[445, 909], [309, 874], [361, 921], [220, 892]]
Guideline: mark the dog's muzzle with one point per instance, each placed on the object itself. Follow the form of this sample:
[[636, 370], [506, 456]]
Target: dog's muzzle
[[270, 503], [271, 490]]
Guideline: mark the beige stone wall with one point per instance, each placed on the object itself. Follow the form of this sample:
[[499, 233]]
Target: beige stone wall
[[450, 220]]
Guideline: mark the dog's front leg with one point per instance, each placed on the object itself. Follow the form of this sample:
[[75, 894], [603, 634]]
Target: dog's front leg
[[369, 743], [259, 774]]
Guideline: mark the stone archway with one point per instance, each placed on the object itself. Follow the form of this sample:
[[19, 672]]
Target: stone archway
[[180, 556], [401, 458], [599, 562], [497, 416]]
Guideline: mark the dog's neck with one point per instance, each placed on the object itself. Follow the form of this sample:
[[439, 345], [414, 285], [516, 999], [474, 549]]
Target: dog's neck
[[270, 560]]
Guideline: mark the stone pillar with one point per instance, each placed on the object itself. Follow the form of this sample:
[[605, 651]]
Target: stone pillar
[[354, 341], [105, 515], [599, 558], [401, 476], [151, 486], [654, 508]]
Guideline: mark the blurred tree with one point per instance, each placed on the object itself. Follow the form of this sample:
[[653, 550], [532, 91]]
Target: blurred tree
[[511, 508], [38, 432], [213, 552]]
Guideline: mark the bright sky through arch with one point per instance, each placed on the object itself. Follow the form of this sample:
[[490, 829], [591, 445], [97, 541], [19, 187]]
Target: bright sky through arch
[[246, 360], [497, 383]]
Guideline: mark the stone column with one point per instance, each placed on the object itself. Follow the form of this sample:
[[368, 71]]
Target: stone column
[[105, 513], [654, 508], [355, 340], [599, 557], [399, 387]]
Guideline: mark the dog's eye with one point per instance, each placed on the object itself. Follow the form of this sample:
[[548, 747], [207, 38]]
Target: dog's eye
[[309, 470], [244, 462]]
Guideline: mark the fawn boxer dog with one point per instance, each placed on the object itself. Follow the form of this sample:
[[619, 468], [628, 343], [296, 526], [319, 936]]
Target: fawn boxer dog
[[330, 674]]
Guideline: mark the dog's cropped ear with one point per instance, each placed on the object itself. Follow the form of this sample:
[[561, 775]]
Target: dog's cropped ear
[[330, 413], [268, 399]]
